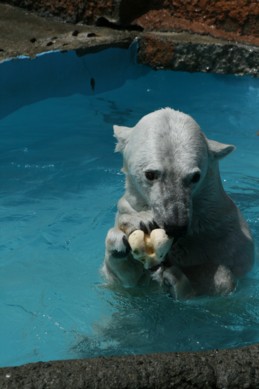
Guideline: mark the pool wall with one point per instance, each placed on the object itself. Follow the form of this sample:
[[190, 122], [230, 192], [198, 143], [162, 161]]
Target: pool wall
[[166, 48], [22, 78], [236, 20]]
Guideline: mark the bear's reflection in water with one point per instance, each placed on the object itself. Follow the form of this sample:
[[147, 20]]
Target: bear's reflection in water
[[142, 324]]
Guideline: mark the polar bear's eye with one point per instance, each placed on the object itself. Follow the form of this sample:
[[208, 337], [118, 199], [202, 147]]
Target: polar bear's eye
[[196, 177], [151, 175]]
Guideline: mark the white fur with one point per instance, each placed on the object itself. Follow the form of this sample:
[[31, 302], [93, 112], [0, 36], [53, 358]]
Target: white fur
[[216, 246]]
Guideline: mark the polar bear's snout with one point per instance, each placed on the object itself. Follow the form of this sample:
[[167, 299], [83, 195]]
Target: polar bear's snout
[[175, 219], [175, 230]]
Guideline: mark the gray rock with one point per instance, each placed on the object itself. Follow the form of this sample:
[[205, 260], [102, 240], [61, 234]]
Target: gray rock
[[237, 368]]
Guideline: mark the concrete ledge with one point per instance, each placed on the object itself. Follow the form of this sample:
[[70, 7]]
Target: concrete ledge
[[26, 34], [237, 368], [197, 53]]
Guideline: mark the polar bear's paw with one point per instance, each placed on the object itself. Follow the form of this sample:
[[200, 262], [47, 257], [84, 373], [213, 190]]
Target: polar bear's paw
[[149, 248], [117, 244]]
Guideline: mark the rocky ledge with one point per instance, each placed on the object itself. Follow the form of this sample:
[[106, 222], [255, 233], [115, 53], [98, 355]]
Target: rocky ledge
[[212, 369], [26, 33]]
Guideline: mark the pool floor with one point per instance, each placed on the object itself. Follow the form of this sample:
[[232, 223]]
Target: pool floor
[[59, 183]]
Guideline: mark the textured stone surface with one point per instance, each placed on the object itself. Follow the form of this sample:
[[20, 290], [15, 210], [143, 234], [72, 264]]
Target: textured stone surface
[[211, 369], [195, 53], [72, 11], [234, 20], [23, 33]]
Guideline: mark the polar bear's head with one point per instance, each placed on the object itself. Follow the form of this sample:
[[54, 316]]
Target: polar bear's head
[[166, 161]]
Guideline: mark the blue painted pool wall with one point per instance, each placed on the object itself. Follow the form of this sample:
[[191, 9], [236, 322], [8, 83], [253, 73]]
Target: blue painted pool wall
[[25, 81]]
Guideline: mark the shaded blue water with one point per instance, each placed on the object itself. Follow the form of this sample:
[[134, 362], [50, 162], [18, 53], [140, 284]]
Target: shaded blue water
[[59, 184]]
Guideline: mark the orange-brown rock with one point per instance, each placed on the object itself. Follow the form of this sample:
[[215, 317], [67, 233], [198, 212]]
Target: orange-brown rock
[[191, 52], [233, 20], [230, 19]]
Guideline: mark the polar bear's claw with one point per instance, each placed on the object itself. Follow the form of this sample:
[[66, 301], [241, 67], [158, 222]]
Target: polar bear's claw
[[153, 225], [117, 244], [126, 244], [143, 227]]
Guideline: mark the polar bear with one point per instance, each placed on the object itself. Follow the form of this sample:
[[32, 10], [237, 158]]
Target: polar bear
[[173, 186]]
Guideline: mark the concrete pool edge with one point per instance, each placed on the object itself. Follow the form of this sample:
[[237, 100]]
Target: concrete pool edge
[[196, 53], [206, 369], [27, 34]]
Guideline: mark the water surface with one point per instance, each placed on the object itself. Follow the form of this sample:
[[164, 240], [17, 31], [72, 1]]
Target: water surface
[[59, 184]]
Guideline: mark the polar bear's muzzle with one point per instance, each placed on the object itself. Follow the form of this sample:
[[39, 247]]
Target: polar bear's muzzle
[[175, 231], [175, 219]]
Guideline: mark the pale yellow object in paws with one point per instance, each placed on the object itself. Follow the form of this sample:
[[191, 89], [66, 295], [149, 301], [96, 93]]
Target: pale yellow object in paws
[[149, 249]]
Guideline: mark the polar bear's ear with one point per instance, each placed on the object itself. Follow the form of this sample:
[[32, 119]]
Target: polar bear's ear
[[122, 135], [220, 150]]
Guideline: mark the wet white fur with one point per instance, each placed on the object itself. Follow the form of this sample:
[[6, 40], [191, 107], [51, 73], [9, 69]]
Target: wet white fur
[[218, 246]]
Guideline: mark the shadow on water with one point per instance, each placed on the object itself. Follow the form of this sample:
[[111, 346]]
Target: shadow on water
[[66, 73], [143, 323]]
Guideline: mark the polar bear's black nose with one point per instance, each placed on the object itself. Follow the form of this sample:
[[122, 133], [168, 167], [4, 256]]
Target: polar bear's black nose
[[175, 231]]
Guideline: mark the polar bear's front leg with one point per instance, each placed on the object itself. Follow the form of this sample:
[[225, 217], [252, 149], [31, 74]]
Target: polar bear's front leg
[[119, 265], [174, 281]]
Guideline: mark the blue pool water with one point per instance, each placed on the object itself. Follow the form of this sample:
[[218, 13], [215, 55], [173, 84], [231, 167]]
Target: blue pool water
[[59, 184]]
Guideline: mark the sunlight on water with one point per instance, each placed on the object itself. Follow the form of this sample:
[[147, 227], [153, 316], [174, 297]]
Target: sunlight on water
[[60, 182]]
